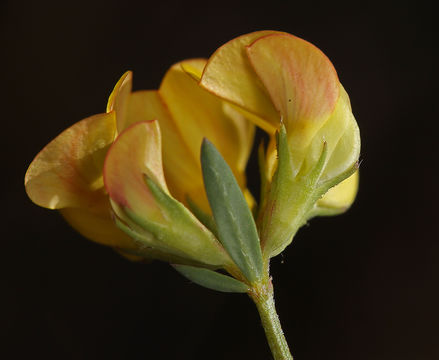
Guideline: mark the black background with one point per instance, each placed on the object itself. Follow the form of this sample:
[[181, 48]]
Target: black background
[[358, 286]]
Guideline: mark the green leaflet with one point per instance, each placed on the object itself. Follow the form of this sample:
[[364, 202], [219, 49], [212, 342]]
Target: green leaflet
[[235, 224], [211, 279]]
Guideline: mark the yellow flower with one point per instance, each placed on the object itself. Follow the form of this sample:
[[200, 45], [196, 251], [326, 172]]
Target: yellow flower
[[68, 173], [186, 114], [273, 78]]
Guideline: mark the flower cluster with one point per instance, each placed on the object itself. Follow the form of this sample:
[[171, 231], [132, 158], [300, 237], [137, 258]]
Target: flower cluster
[[131, 177], [68, 174]]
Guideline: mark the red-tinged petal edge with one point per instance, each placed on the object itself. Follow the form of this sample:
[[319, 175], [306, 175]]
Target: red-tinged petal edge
[[135, 153]]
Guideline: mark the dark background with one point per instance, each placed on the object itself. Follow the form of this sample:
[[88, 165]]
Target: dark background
[[358, 286]]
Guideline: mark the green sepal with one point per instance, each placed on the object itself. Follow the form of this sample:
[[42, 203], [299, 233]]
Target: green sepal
[[152, 253], [235, 224], [211, 279], [180, 234], [292, 199], [289, 199], [324, 187], [148, 245]]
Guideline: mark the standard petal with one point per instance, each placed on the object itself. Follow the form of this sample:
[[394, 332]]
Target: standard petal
[[182, 169], [229, 75], [198, 114], [245, 130], [118, 99], [68, 171], [340, 132], [301, 81]]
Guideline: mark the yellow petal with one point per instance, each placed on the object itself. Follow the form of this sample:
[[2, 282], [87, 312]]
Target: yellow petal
[[301, 82], [340, 197], [68, 171], [245, 130], [135, 153], [245, 133], [229, 75], [194, 68], [181, 167], [271, 157], [95, 224], [118, 99], [198, 114], [341, 134], [346, 151]]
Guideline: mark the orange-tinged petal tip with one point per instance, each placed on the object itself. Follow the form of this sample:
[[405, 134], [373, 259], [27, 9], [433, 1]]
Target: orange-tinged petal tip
[[135, 153], [229, 75], [301, 81], [68, 171]]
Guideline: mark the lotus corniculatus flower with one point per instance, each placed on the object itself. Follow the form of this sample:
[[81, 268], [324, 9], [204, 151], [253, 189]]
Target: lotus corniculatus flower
[[152, 171], [286, 85], [161, 174]]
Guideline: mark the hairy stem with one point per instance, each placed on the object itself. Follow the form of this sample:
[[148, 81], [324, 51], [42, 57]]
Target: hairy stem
[[264, 300]]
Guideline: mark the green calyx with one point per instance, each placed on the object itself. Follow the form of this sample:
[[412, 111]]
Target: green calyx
[[290, 201], [181, 235]]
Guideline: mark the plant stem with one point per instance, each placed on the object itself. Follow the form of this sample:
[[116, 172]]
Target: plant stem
[[264, 300]]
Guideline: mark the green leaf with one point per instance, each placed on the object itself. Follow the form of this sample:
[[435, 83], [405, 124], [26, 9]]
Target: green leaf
[[235, 224], [211, 279]]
